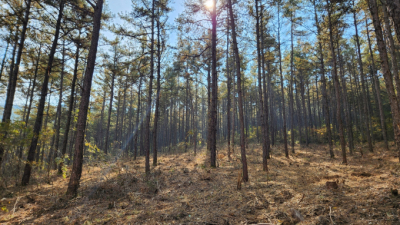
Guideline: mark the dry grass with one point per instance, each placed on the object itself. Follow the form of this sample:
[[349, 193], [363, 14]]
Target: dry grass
[[183, 190]]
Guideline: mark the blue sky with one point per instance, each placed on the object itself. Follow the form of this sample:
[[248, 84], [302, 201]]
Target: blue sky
[[115, 7], [118, 6]]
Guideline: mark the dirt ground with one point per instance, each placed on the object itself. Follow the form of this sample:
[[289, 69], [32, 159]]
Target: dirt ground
[[182, 189]]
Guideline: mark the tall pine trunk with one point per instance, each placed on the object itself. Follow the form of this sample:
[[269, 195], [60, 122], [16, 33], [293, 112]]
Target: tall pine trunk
[[212, 133], [149, 96], [345, 102], [34, 84], [364, 95], [59, 106], [228, 84], [157, 113], [110, 108], [394, 12], [264, 110], [136, 132], [83, 107], [14, 74], [336, 84], [282, 90], [5, 56], [325, 99], [386, 71], [70, 109], [239, 89], [377, 90], [39, 117], [261, 111], [291, 106]]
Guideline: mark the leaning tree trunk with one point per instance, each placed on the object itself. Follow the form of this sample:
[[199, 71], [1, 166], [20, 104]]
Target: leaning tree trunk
[[5, 56], [364, 96], [336, 83], [23, 132], [239, 89], [345, 103], [325, 99], [282, 90], [386, 71], [110, 109], [43, 143], [394, 11], [377, 89], [70, 109], [39, 118], [33, 85], [12, 63], [57, 143], [83, 107], [14, 75]]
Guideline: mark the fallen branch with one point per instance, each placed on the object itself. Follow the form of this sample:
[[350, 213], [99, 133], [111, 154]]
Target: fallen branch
[[301, 198], [330, 214], [15, 205]]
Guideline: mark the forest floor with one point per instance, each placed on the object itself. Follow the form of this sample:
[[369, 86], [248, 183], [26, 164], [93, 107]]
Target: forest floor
[[183, 190]]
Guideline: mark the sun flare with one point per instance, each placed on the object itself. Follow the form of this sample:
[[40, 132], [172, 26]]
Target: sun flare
[[209, 4]]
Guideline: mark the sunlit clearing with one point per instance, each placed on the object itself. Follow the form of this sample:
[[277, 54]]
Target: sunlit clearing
[[209, 4]]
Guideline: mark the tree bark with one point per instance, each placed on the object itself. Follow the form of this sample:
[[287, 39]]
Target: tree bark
[[33, 85], [364, 95], [59, 111], [325, 99], [392, 47], [345, 103], [14, 75], [70, 109], [5, 56], [291, 106], [149, 95], [282, 90], [212, 133], [110, 106], [303, 102], [265, 110], [261, 111], [123, 112], [239, 89], [117, 127], [228, 84], [377, 89], [157, 113], [136, 132], [394, 12], [39, 118], [83, 107], [336, 84], [386, 71]]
